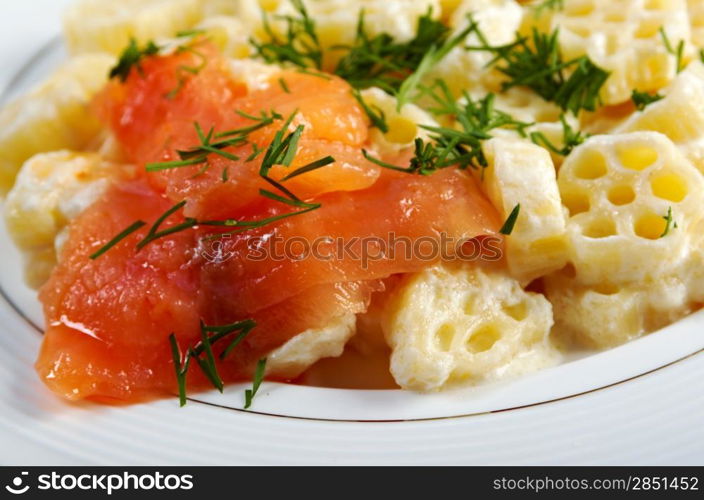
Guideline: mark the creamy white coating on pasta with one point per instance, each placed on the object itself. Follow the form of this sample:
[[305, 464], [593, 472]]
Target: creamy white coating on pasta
[[523, 174], [618, 190], [463, 323], [310, 346], [679, 115]]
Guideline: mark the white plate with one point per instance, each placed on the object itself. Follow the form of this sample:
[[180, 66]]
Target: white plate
[[639, 403]]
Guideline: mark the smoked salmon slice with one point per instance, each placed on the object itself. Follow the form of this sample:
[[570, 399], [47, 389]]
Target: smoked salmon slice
[[110, 319]]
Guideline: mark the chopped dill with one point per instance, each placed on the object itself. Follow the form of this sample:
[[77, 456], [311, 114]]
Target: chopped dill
[[299, 46], [669, 223], [461, 147], [536, 62], [132, 57], [570, 139], [510, 223], [383, 62], [643, 99], [678, 51], [284, 85], [124, 234], [257, 381], [205, 346], [375, 113]]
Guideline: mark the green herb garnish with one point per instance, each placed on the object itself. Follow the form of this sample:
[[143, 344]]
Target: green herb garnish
[[570, 139], [299, 45], [184, 71], [258, 377], [375, 113], [207, 364], [212, 143], [427, 159], [190, 33], [536, 62], [461, 147], [284, 86], [678, 51], [155, 234], [432, 57], [669, 223], [642, 99], [508, 226], [383, 62], [181, 365], [132, 57], [124, 234]]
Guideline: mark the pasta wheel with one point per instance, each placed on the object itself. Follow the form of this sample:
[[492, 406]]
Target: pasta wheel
[[618, 190], [107, 26], [521, 172], [464, 70], [624, 38], [51, 189], [680, 115], [696, 17], [53, 116], [306, 348], [605, 316], [450, 324], [229, 34], [404, 126]]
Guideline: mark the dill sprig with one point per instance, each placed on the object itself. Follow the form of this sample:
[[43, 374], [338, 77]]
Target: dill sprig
[[154, 233], [281, 151], [132, 57], [383, 62], [678, 51], [510, 223], [536, 62], [669, 223], [432, 57], [215, 143], [121, 236], [378, 61], [205, 346], [427, 159], [570, 139], [256, 382], [375, 113], [299, 45], [460, 146], [643, 99], [184, 70]]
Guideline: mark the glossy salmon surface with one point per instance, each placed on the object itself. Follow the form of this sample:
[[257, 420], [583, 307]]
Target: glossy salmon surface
[[109, 319]]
